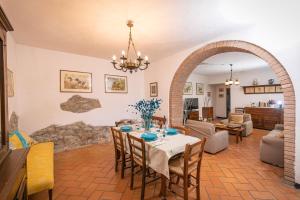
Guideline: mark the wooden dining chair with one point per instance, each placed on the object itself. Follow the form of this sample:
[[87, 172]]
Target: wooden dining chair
[[182, 129], [120, 153], [160, 121], [186, 166], [138, 159], [124, 122]]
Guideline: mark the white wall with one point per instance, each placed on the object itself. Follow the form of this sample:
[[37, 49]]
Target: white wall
[[163, 70], [12, 65], [196, 78], [39, 96], [238, 98]]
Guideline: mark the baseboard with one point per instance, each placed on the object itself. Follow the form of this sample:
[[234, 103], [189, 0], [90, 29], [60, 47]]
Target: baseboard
[[297, 185]]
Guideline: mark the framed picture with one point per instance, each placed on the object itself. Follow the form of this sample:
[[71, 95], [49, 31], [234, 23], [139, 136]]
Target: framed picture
[[208, 94], [221, 95], [74, 81], [115, 84], [221, 89], [153, 89], [199, 88], [249, 90], [278, 89], [188, 88], [259, 90], [10, 83], [270, 89]]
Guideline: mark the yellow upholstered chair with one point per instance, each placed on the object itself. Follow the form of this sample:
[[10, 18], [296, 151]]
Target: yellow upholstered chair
[[40, 168]]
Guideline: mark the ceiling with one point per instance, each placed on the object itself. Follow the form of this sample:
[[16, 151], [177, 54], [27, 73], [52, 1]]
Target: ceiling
[[98, 27], [219, 64]]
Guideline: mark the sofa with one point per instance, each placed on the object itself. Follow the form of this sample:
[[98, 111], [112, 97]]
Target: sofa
[[240, 118], [271, 146], [216, 141], [40, 162]]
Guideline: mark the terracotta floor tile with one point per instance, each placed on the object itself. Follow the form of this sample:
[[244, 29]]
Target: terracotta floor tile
[[235, 173]]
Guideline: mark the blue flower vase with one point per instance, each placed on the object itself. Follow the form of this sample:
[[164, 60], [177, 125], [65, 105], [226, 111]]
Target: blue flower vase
[[147, 123]]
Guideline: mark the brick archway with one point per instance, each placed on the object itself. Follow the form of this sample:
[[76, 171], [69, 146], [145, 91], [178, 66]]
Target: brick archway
[[192, 61]]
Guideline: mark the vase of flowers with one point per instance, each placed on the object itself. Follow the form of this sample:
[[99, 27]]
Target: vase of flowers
[[147, 108]]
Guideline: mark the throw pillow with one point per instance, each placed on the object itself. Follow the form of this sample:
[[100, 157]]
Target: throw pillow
[[17, 140], [28, 139], [237, 119], [280, 134]]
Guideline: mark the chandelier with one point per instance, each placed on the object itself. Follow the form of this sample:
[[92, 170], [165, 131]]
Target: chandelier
[[126, 62], [230, 81]]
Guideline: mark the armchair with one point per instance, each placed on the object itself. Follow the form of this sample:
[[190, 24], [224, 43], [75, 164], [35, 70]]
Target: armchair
[[241, 118], [216, 141]]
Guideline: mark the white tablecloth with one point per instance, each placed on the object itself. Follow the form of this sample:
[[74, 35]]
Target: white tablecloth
[[160, 151]]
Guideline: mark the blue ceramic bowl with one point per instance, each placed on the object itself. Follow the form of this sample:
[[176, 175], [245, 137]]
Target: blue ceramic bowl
[[148, 137], [126, 128], [171, 131]]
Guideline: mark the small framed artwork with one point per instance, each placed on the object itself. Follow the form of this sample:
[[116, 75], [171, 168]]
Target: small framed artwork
[[249, 90], [221, 89], [199, 88], [270, 89], [208, 94], [278, 89], [10, 83], [259, 90], [115, 84], [221, 95], [153, 89], [74, 81], [188, 88]]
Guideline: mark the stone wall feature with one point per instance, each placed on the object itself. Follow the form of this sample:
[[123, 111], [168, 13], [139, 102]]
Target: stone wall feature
[[72, 136], [78, 104]]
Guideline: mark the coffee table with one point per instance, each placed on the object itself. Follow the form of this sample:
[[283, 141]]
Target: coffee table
[[238, 131]]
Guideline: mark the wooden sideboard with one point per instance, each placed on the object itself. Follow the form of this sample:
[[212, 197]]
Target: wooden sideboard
[[13, 180], [193, 115], [207, 112], [265, 118]]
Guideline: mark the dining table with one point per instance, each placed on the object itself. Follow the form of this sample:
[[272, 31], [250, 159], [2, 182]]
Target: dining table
[[161, 150]]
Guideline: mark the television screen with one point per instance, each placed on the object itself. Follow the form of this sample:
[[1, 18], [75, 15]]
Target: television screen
[[191, 104]]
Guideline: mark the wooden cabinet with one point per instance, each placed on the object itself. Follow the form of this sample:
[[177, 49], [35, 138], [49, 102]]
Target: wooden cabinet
[[193, 115], [13, 176], [207, 112], [265, 118]]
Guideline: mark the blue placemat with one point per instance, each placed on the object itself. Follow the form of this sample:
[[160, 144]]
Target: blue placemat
[[126, 128], [149, 137], [171, 131]]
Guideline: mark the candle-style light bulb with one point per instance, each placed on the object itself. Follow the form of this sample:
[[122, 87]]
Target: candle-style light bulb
[[123, 53], [138, 53], [114, 57], [146, 58]]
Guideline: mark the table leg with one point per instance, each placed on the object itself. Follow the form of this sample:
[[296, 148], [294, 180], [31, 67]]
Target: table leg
[[237, 133], [241, 136], [163, 187]]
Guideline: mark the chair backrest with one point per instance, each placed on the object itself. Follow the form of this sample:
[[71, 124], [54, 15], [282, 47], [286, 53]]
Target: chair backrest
[[118, 140], [245, 117], [159, 120], [124, 122], [137, 150], [193, 156], [205, 128], [182, 129]]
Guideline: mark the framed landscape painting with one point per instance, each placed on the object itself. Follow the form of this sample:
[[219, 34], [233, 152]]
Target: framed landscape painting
[[115, 84], [153, 89], [74, 81], [199, 88], [188, 88]]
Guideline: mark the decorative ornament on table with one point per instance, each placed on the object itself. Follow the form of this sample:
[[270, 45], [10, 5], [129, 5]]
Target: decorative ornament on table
[[271, 81], [255, 82], [146, 109]]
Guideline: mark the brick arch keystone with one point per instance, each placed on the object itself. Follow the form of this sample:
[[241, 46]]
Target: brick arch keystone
[[198, 56]]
